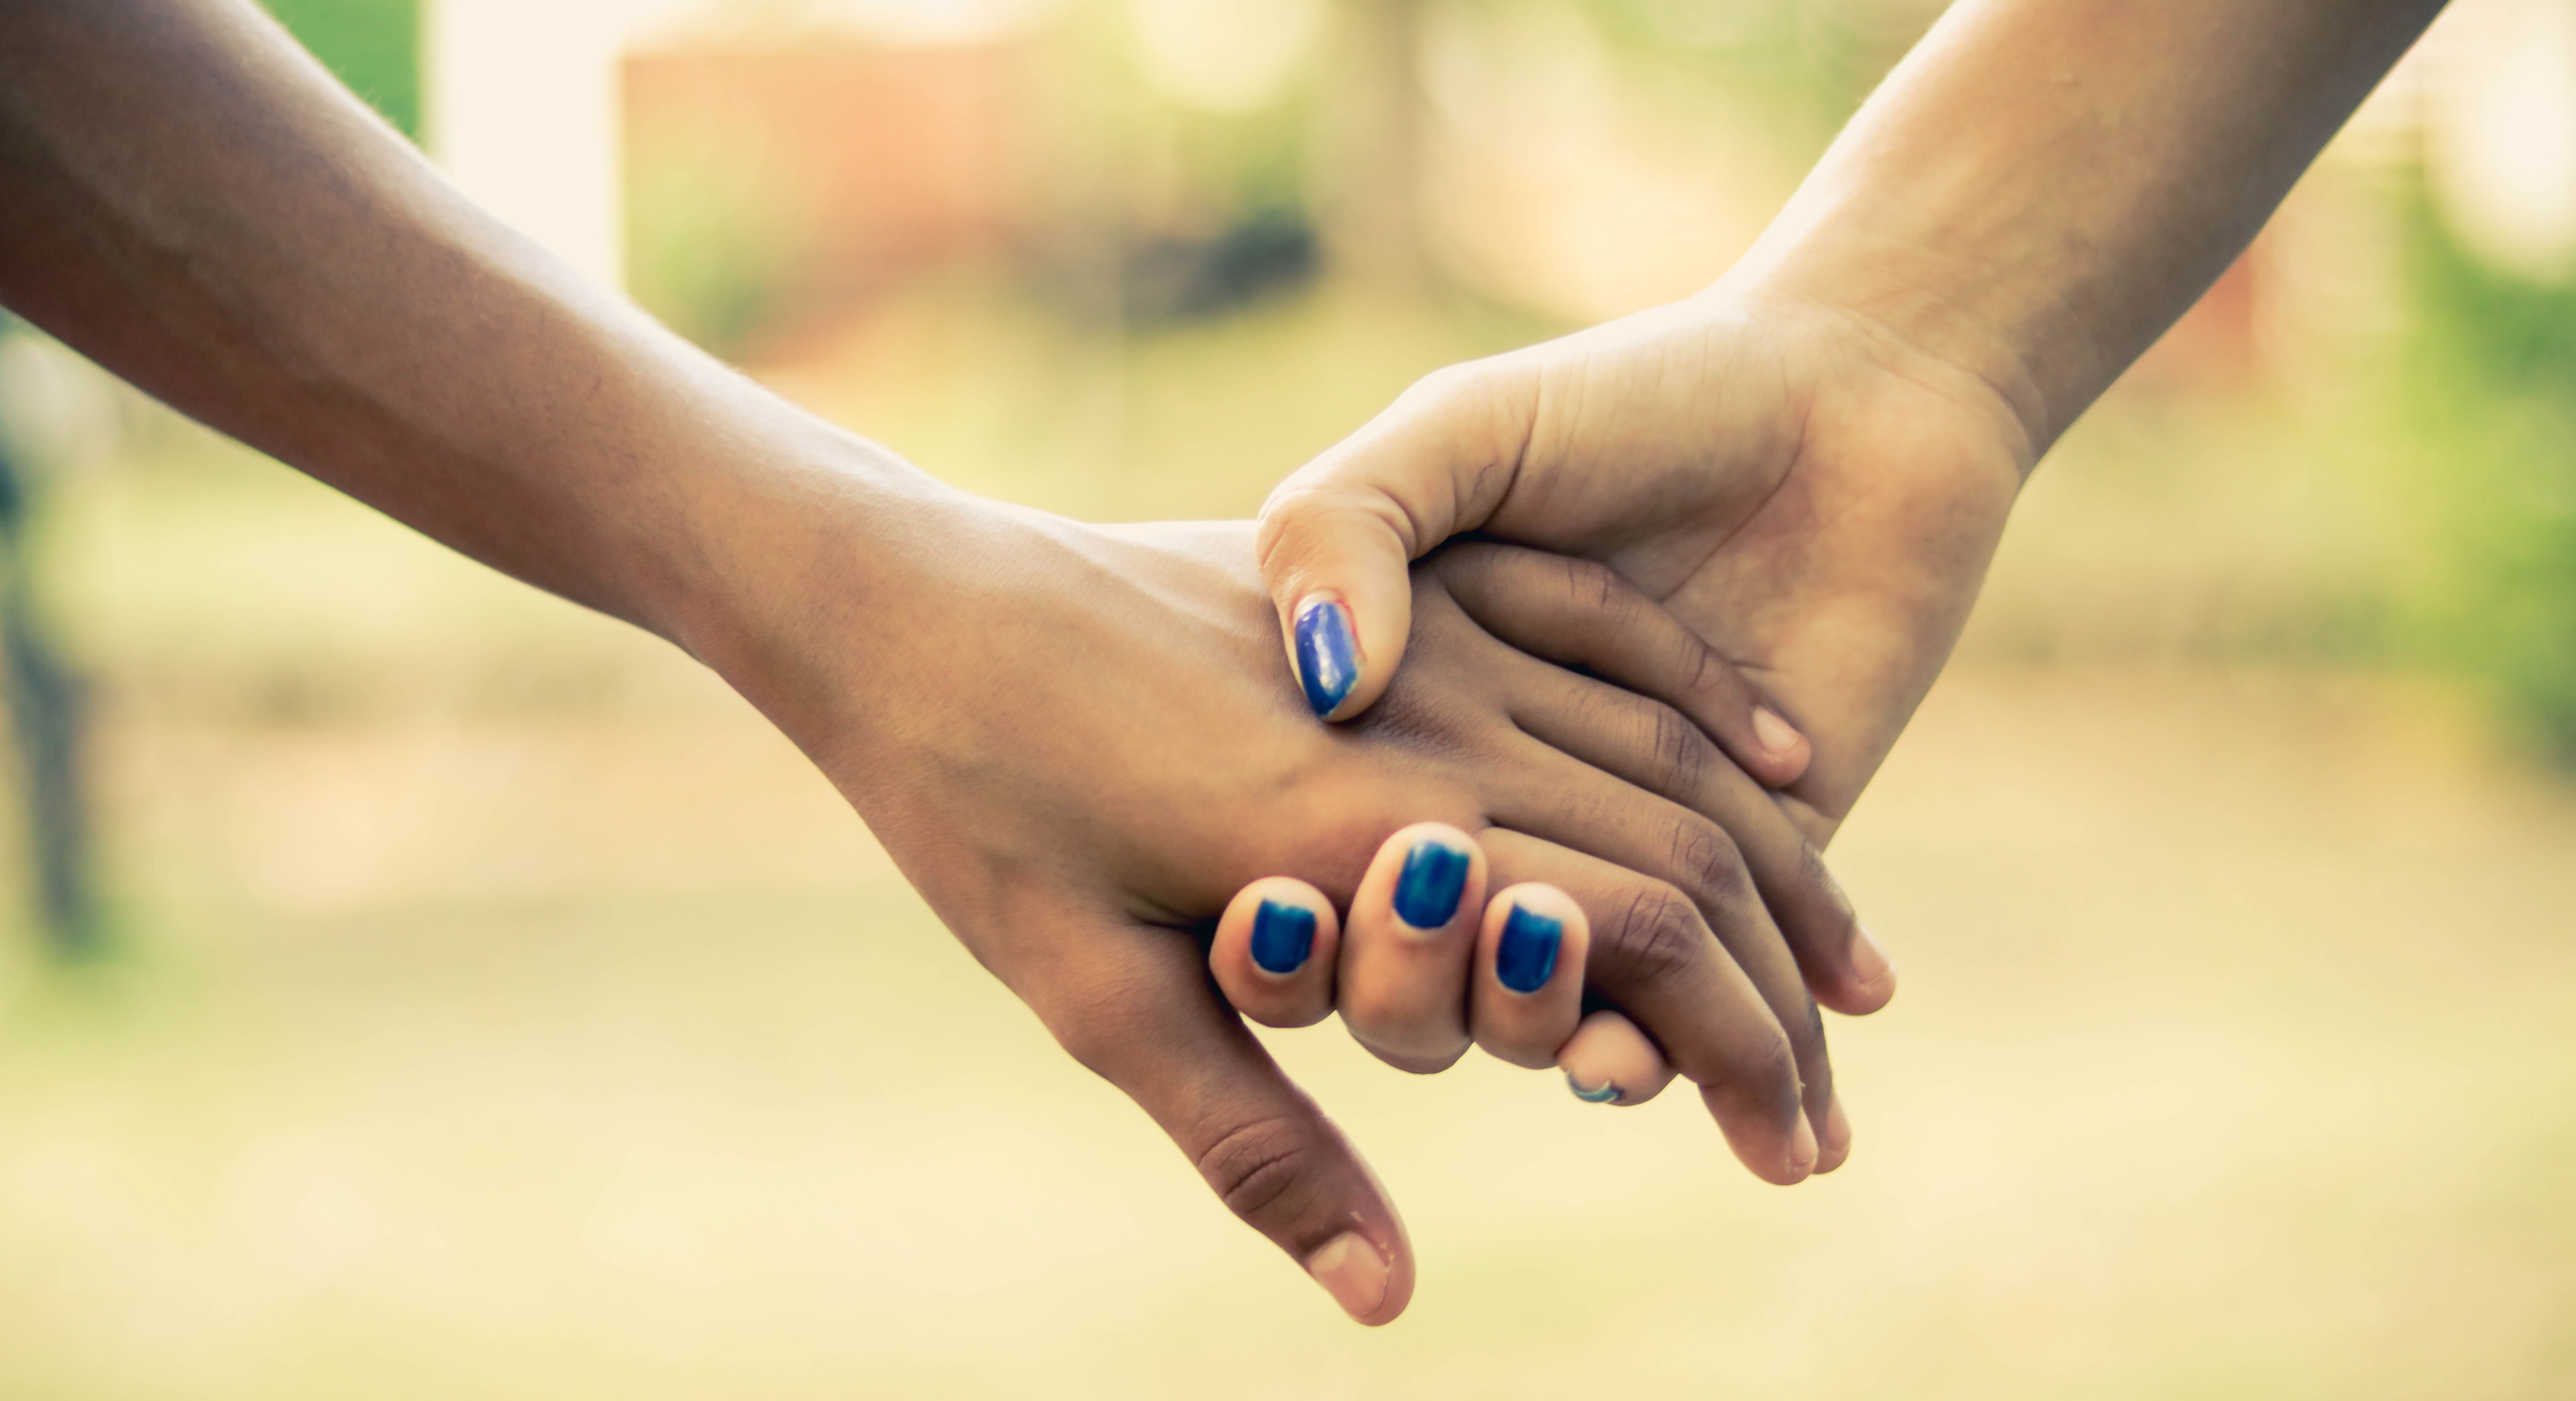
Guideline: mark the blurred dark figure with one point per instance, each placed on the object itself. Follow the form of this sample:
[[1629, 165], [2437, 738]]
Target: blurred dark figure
[[44, 701], [1178, 279]]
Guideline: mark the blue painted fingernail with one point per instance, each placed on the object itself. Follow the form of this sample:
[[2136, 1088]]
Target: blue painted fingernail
[[1427, 891], [1525, 958], [1603, 1093], [1328, 660], [1282, 936]]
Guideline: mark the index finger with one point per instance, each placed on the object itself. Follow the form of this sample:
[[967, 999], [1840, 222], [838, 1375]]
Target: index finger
[[1582, 613], [1138, 1012]]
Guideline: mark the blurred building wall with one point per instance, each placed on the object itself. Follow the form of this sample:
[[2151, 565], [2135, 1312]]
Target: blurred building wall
[[883, 159]]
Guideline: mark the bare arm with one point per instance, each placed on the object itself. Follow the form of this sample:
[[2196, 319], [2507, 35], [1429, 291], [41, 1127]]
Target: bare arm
[[2034, 194], [193, 203], [2043, 186], [1070, 739]]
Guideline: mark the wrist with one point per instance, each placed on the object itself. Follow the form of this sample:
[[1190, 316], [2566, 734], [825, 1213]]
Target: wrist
[[1851, 320], [1901, 286], [1990, 224], [808, 530]]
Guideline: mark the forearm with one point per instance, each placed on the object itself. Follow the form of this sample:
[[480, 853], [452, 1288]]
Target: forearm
[[2043, 186], [196, 205]]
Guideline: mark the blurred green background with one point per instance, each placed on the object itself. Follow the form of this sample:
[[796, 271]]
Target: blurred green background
[[493, 1005]]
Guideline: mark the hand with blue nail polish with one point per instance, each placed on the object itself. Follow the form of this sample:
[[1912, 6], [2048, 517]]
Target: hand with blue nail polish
[[1721, 892], [1523, 979], [1433, 879], [1077, 743], [1525, 957], [1274, 952], [1328, 659], [1426, 965], [1283, 937]]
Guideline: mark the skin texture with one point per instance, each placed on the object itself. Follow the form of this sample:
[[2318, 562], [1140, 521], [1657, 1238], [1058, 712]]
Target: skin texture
[[1074, 740], [1810, 463]]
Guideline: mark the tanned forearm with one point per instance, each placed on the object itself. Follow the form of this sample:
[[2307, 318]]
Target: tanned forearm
[[2043, 186], [194, 203]]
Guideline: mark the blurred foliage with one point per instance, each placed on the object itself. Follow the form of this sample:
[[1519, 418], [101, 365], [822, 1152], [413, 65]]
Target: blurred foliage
[[709, 245], [1213, 208], [1807, 64], [2490, 401], [373, 45]]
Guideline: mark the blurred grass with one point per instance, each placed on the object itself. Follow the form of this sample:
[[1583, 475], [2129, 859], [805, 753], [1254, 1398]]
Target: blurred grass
[[2488, 392], [2231, 1064]]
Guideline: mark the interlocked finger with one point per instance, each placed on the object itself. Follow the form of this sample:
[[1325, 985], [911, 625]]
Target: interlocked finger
[[1654, 958]]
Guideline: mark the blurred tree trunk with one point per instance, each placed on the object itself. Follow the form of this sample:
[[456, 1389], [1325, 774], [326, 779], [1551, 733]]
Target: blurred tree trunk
[[44, 701], [1369, 183]]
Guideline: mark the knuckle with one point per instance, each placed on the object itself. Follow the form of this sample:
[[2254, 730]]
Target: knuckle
[[1098, 1017], [1656, 938], [1311, 517], [1591, 586], [1428, 718], [1264, 1170], [1710, 860], [1088, 1047], [1475, 571], [1295, 508], [1705, 670], [1398, 1024], [1446, 385], [1682, 753], [1467, 393], [1340, 813], [1092, 1040]]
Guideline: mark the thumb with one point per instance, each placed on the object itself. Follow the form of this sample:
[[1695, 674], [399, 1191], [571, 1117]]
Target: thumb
[[1337, 535], [1156, 1030]]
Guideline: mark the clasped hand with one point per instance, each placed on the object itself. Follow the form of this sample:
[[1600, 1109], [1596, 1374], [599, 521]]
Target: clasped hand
[[1010, 785], [1791, 489]]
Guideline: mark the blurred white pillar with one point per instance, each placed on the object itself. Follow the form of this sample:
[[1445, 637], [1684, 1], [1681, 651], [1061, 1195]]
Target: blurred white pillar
[[2502, 133], [522, 113]]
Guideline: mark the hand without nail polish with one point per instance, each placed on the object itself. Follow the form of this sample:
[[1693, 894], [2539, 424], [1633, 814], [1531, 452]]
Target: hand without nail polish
[[1351, 1270], [1869, 961], [1774, 732]]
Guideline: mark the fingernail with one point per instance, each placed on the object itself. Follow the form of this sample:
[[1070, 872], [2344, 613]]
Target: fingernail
[[1351, 1270], [1838, 1131], [1869, 961], [1427, 890], [1775, 733], [1328, 657], [1602, 1093], [1802, 1148], [1282, 936], [1525, 957]]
